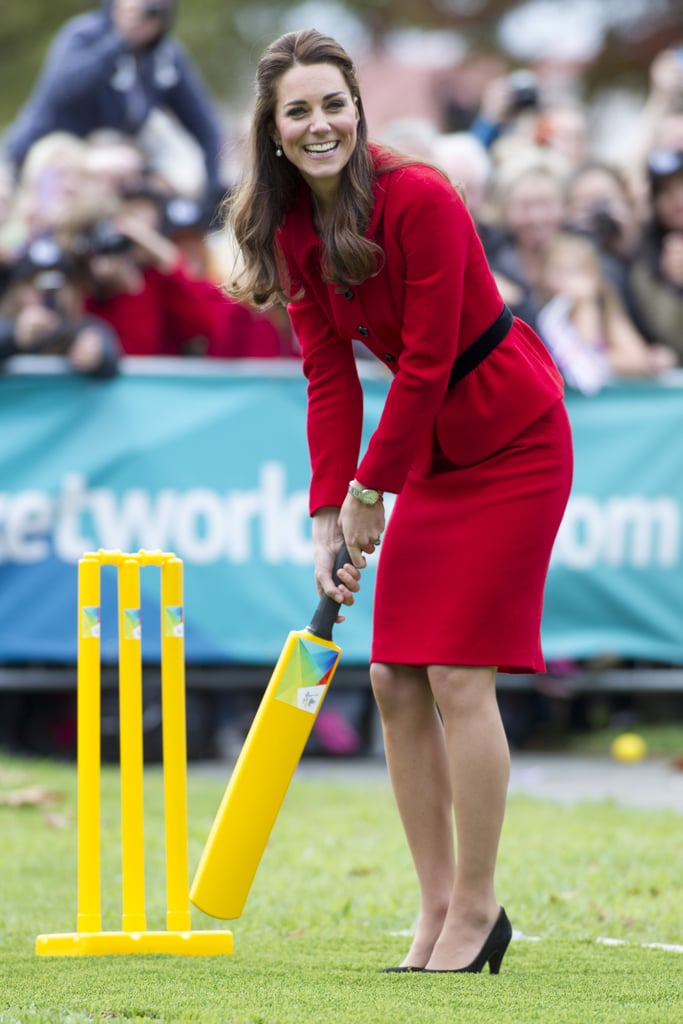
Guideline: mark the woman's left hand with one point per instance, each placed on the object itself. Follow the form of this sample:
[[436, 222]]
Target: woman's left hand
[[362, 526]]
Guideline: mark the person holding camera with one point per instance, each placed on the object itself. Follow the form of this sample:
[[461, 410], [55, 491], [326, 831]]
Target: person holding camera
[[656, 275], [509, 106], [137, 282], [111, 69], [42, 312]]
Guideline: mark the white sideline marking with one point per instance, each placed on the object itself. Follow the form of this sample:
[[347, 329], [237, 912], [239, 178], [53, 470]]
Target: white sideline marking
[[643, 945], [520, 936]]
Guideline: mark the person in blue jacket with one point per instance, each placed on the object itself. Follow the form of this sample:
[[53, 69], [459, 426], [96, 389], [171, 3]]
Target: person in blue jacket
[[109, 69]]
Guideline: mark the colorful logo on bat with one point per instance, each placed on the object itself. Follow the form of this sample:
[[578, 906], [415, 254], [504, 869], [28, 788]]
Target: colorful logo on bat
[[306, 673]]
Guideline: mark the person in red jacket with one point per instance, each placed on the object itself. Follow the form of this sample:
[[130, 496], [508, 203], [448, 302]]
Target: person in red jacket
[[135, 280], [366, 245]]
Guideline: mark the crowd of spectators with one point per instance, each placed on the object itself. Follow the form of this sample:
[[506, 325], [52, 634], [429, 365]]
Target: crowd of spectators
[[110, 239], [588, 251]]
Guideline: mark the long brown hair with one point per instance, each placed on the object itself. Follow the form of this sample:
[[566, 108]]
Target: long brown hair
[[256, 209]]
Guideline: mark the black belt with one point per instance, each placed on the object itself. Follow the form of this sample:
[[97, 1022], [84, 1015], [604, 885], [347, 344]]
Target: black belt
[[482, 347]]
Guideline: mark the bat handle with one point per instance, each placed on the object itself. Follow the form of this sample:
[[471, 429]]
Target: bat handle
[[327, 611]]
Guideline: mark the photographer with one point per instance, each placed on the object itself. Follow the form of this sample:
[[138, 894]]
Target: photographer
[[656, 275], [509, 105], [111, 69], [136, 281], [41, 313], [600, 205]]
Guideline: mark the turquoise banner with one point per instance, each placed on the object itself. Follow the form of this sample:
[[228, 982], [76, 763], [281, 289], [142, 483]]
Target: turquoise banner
[[209, 460]]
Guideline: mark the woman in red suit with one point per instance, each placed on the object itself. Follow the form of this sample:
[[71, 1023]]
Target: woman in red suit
[[365, 245]]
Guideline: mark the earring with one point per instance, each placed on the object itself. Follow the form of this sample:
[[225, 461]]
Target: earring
[[278, 149]]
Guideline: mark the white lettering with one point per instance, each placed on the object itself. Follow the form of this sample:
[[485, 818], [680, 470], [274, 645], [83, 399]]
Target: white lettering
[[642, 533], [272, 525], [200, 527], [638, 532], [69, 539], [27, 520], [580, 537]]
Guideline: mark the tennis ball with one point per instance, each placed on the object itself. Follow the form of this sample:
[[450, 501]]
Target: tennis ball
[[629, 746]]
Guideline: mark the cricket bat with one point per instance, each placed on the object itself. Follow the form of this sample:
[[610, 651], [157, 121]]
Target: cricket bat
[[267, 762]]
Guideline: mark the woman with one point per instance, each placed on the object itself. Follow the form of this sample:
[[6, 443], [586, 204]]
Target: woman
[[527, 191], [366, 245], [584, 322], [656, 273]]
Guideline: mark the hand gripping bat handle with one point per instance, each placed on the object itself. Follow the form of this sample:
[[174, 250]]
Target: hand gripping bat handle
[[327, 611]]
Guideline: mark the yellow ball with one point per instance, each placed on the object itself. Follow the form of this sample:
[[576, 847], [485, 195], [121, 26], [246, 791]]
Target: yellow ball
[[629, 746]]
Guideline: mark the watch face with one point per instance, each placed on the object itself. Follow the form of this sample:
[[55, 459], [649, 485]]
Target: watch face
[[369, 497], [366, 495]]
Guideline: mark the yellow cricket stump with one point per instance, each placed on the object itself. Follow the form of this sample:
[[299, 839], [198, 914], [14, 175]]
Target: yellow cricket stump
[[90, 939]]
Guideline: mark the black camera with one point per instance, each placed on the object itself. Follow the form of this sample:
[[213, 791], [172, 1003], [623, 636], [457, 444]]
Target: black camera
[[50, 283], [46, 260], [604, 225], [155, 10], [523, 90], [105, 239]]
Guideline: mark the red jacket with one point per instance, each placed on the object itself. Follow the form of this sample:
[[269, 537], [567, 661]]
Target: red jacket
[[433, 297], [171, 311]]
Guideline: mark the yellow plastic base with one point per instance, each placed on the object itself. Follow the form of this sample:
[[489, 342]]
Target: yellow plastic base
[[209, 943]]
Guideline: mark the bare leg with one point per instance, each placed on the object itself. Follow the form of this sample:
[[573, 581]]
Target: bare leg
[[418, 769], [479, 761]]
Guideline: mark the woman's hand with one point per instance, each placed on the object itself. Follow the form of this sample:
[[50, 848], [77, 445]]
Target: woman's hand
[[327, 540], [32, 325], [362, 527]]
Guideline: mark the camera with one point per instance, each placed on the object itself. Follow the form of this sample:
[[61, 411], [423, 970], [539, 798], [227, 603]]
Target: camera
[[523, 90], [50, 283], [45, 262], [155, 10], [105, 239], [604, 225]]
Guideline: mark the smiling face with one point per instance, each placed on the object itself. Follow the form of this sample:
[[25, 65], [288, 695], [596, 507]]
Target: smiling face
[[316, 121], [534, 210]]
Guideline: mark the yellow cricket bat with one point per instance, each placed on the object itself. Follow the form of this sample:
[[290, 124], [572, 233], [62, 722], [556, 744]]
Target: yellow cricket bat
[[267, 762]]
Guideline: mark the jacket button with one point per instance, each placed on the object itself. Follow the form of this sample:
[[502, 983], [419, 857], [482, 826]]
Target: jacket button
[[363, 331], [389, 358], [348, 294]]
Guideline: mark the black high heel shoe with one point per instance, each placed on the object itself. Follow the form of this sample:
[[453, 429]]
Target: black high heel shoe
[[491, 953]]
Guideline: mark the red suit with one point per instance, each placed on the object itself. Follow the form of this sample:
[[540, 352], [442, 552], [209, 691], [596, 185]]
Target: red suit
[[482, 471]]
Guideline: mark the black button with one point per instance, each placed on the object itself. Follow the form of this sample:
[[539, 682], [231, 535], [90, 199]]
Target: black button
[[348, 294], [363, 331], [389, 358]]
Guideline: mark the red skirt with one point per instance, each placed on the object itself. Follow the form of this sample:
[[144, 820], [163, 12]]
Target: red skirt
[[464, 559]]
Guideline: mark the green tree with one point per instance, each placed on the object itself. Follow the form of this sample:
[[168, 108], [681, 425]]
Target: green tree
[[225, 37]]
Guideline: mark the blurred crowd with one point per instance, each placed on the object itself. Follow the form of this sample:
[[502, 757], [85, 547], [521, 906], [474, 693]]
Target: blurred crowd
[[110, 193], [586, 250]]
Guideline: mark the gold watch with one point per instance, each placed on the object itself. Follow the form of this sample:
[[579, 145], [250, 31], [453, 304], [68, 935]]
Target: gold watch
[[365, 495]]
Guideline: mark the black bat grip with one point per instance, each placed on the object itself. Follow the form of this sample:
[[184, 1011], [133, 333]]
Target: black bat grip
[[327, 611]]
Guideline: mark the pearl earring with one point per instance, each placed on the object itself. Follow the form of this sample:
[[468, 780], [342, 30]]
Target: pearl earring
[[278, 149]]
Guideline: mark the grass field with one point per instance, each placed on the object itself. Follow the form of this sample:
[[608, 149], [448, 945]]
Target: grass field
[[332, 903]]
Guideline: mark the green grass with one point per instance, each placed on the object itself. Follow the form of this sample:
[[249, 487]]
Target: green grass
[[662, 740], [334, 889]]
